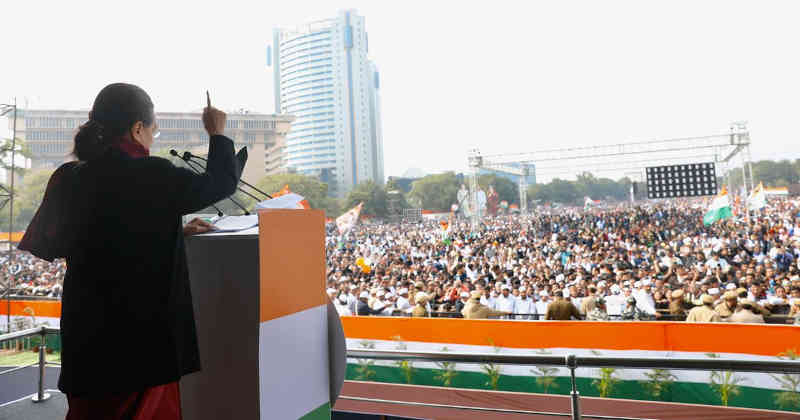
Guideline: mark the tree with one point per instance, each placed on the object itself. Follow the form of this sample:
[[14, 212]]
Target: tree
[[435, 192], [372, 195], [27, 199], [22, 150]]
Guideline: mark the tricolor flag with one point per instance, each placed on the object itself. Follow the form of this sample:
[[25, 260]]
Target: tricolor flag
[[346, 221], [757, 199], [720, 208], [588, 202], [285, 190]]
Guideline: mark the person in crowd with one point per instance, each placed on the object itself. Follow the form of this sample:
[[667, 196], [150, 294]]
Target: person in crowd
[[704, 311], [598, 313], [525, 307], [562, 309], [745, 314], [420, 310], [632, 311], [476, 310]]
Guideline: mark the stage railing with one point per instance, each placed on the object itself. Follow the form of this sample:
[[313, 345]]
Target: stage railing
[[42, 331], [573, 362]]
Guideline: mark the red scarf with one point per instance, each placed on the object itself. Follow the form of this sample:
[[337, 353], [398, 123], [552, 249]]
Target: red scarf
[[132, 148]]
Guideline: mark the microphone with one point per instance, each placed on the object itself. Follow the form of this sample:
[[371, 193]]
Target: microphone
[[191, 166], [188, 155]]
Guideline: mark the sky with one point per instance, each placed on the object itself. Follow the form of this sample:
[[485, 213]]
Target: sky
[[502, 76]]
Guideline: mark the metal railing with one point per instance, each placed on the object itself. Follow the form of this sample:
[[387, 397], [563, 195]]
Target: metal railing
[[573, 362], [42, 331]]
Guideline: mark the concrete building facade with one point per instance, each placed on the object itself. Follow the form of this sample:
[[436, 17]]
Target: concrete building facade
[[324, 78], [49, 136]]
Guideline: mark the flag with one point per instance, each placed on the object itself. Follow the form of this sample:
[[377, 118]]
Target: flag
[[757, 199], [346, 221], [588, 202], [285, 190], [720, 208]]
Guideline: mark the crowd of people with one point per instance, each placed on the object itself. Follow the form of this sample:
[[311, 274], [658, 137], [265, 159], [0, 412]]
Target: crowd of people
[[646, 262], [22, 274]]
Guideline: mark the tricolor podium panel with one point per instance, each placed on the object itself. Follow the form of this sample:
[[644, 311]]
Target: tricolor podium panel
[[261, 316]]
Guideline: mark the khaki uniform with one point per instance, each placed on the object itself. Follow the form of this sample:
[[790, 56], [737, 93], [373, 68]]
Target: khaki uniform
[[562, 310], [474, 310], [419, 311], [703, 313], [588, 304], [748, 317], [723, 310], [676, 308]]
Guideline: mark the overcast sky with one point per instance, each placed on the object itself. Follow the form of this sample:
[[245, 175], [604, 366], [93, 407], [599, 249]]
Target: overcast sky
[[502, 76]]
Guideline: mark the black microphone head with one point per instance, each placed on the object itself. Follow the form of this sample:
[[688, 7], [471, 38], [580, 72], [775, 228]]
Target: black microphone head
[[173, 152], [187, 156]]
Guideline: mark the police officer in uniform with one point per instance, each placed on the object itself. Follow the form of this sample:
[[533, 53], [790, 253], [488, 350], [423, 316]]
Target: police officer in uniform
[[598, 313], [704, 312], [475, 310]]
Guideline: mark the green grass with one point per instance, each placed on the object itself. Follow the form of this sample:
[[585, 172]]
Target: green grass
[[9, 358]]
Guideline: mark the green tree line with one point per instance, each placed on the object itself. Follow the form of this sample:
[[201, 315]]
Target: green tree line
[[434, 192]]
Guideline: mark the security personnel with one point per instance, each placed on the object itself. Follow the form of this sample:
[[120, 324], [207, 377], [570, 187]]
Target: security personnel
[[728, 305], [745, 314], [599, 312], [676, 303], [631, 311], [562, 309], [475, 310], [703, 312], [420, 311]]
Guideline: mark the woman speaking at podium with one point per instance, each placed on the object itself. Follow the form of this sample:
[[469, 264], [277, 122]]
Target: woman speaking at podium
[[127, 325]]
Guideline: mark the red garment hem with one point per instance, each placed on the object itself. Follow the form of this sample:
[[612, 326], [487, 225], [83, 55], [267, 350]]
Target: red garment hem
[[161, 402]]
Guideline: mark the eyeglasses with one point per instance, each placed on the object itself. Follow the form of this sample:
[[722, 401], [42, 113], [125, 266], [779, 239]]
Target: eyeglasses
[[156, 134]]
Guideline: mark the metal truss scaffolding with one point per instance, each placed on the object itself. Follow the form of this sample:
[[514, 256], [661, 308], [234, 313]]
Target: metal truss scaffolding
[[623, 159]]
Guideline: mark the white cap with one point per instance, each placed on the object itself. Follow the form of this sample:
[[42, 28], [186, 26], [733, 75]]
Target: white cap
[[331, 291], [730, 286], [402, 291], [713, 291], [637, 284], [522, 289], [615, 289], [646, 282], [601, 283], [543, 293], [565, 292], [505, 287], [363, 295], [379, 305], [353, 287]]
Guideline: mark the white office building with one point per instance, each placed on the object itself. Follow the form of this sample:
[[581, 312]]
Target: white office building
[[324, 78]]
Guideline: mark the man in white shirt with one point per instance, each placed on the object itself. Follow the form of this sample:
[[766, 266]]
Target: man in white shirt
[[402, 302], [524, 307], [505, 302], [543, 302]]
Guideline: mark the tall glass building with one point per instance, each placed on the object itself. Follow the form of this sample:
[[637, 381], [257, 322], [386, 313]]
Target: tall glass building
[[324, 78]]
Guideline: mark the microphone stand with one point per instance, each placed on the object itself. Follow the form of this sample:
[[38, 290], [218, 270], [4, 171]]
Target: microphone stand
[[191, 166], [189, 155]]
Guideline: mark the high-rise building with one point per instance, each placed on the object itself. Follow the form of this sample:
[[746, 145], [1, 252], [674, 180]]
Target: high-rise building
[[324, 78], [49, 136]]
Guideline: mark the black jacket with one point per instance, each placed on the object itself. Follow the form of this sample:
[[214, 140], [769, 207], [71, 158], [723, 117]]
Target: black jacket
[[127, 321], [363, 309]]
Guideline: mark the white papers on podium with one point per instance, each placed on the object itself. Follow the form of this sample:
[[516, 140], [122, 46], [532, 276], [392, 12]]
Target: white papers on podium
[[286, 201], [235, 223]]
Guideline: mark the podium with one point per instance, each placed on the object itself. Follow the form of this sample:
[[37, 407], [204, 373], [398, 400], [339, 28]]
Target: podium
[[261, 314]]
